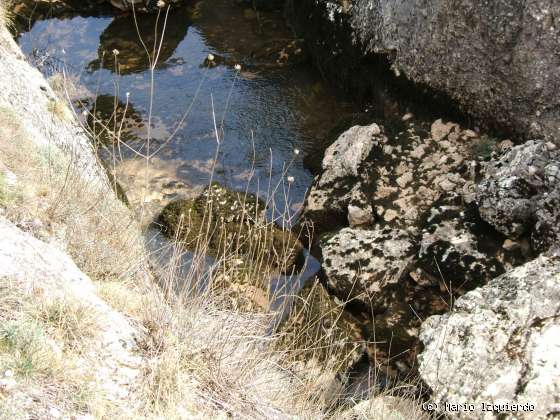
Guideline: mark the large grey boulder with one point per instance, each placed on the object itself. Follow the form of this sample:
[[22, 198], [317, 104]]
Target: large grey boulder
[[520, 194], [497, 59], [366, 266], [499, 344]]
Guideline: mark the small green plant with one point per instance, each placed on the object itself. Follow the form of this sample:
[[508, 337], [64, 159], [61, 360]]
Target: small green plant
[[485, 147], [24, 350]]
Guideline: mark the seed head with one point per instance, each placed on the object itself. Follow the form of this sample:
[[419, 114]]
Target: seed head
[[115, 52], [210, 57], [160, 4], [238, 67], [291, 179]]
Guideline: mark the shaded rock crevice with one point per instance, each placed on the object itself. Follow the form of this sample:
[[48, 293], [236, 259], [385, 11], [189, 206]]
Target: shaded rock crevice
[[496, 60]]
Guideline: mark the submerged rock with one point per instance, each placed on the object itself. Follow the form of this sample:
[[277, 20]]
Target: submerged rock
[[520, 194], [36, 9], [122, 51], [500, 344], [230, 223], [366, 266]]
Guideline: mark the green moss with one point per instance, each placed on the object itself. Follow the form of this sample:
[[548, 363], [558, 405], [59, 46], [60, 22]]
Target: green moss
[[230, 223]]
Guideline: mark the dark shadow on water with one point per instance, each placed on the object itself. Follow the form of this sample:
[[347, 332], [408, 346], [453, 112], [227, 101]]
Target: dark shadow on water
[[122, 36]]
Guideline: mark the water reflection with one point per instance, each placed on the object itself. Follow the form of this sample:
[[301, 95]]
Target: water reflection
[[264, 111], [138, 41]]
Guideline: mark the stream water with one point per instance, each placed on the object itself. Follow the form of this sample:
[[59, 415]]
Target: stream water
[[269, 111]]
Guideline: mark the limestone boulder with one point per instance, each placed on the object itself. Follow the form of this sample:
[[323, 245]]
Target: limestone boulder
[[499, 344], [520, 194]]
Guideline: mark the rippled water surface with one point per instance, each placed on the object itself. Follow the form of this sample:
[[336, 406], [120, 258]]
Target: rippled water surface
[[267, 110]]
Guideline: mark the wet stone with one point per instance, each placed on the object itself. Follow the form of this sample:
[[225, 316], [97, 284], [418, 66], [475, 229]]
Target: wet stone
[[230, 223]]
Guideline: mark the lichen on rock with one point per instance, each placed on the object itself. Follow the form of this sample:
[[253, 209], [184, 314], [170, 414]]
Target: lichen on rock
[[366, 266], [520, 194], [500, 343]]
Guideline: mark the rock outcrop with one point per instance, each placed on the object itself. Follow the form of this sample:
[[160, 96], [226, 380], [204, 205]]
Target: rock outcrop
[[36, 268], [499, 344], [416, 240], [498, 60], [366, 266], [370, 176], [337, 196], [520, 194]]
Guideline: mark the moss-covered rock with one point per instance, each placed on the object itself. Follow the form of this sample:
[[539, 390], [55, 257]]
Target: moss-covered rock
[[230, 224]]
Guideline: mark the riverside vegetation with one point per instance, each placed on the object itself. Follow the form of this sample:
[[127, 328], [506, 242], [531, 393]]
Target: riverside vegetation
[[129, 290]]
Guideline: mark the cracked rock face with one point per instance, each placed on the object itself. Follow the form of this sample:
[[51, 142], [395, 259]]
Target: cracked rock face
[[501, 342], [337, 193], [366, 265], [460, 249], [520, 194]]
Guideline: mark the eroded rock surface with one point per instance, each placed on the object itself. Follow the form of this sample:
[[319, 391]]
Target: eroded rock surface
[[500, 343], [340, 185], [366, 265], [369, 177], [520, 194], [35, 267]]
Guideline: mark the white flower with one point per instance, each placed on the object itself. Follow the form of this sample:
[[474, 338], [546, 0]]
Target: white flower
[[291, 179], [63, 51], [296, 152], [210, 57], [160, 4], [238, 67], [115, 52], [85, 113], [127, 95]]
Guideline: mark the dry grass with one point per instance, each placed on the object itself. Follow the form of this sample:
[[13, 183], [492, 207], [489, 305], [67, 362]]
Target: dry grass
[[6, 17], [41, 343], [53, 199]]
